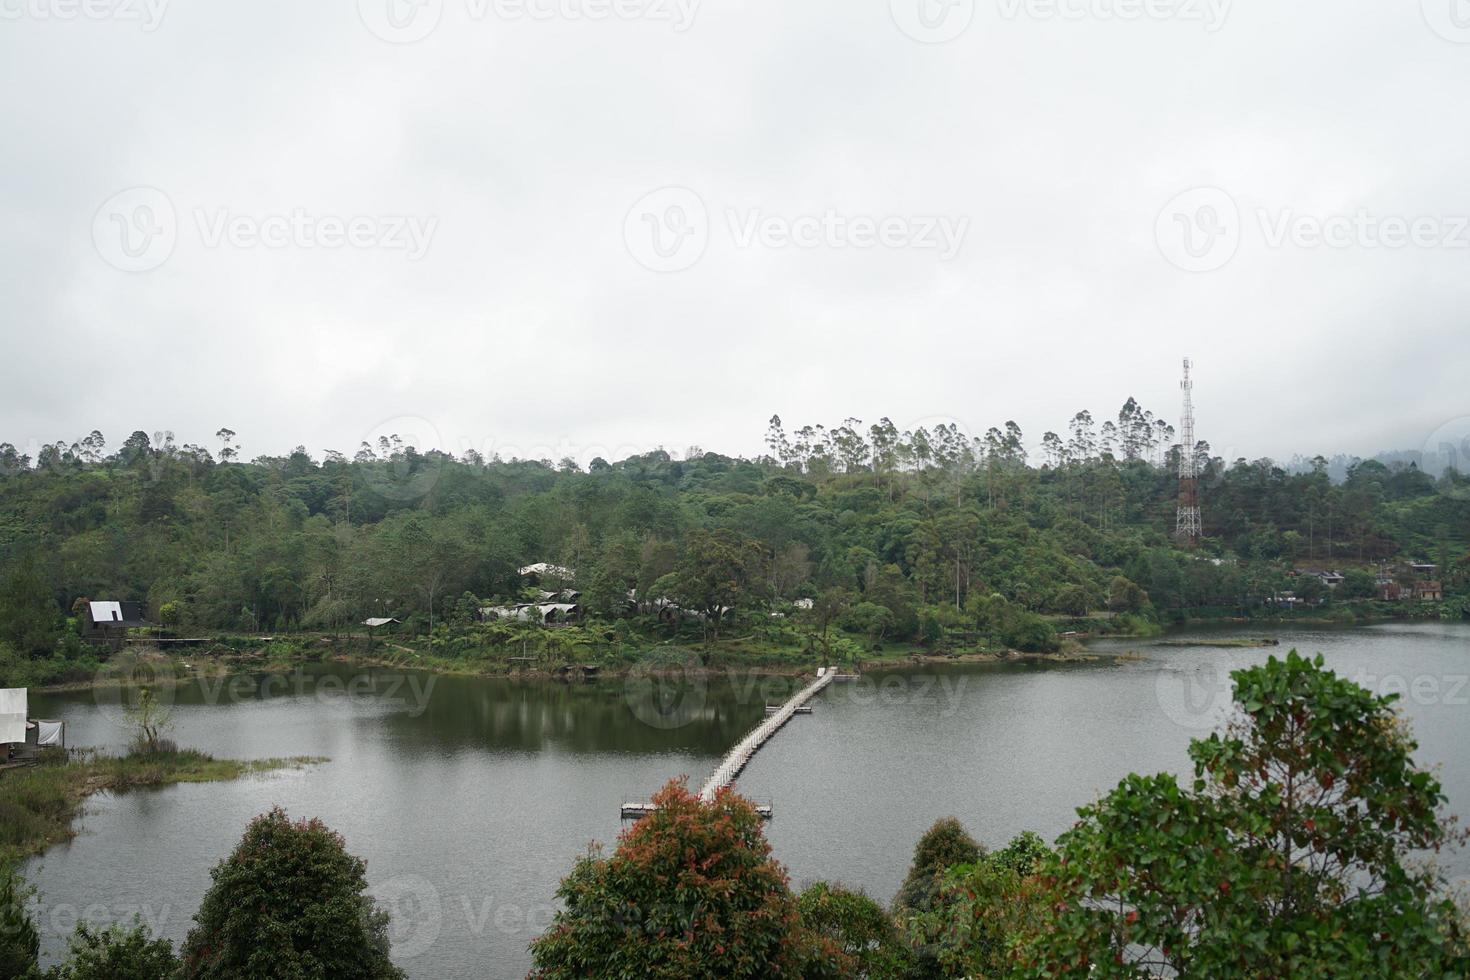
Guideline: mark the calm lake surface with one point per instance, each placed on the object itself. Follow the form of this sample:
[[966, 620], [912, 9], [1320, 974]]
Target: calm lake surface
[[470, 798]]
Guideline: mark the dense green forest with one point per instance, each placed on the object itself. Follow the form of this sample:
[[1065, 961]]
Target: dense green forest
[[929, 537]]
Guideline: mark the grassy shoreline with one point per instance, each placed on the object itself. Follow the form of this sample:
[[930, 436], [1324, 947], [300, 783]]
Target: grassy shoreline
[[39, 805]]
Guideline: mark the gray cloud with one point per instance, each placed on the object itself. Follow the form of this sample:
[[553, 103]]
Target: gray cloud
[[530, 322]]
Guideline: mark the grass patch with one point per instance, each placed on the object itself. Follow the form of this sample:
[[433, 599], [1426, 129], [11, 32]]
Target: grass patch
[[39, 804]]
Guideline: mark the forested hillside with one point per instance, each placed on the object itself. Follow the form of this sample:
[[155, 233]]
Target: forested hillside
[[897, 536]]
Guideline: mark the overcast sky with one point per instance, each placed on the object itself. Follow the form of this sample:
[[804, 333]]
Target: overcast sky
[[552, 227]]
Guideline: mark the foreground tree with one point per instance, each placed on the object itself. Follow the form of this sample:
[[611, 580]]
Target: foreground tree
[[943, 846], [1290, 855], [290, 902], [691, 891]]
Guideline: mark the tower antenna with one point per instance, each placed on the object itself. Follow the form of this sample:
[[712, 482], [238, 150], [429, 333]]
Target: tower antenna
[[1187, 525]]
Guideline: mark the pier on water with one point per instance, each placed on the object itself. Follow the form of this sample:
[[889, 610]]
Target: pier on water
[[737, 758]]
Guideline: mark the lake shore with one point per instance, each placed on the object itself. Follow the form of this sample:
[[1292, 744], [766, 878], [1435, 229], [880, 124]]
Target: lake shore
[[290, 652]]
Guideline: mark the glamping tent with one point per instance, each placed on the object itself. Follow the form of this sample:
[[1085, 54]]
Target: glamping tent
[[13, 708]]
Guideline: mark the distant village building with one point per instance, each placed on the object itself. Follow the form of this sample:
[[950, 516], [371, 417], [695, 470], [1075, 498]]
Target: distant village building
[[107, 623], [541, 613], [1429, 591], [533, 574]]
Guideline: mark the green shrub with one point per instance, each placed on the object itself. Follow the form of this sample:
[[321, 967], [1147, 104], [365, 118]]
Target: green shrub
[[20, 944], [117, 954], [858, 926]]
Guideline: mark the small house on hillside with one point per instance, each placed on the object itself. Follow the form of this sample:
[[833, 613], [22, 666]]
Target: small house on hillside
[[1429, 591], [107, 623], [378, 622]]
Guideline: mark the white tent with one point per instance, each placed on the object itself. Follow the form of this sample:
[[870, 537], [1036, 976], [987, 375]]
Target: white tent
[[13, 710]]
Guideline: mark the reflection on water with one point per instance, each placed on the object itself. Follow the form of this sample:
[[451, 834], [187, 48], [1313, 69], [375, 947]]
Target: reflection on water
[[471, 797]]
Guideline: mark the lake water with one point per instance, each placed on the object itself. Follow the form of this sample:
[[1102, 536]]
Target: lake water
[[470, 798]]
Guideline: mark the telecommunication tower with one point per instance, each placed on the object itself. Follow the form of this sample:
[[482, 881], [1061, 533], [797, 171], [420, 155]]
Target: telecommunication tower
[[1187, 526]]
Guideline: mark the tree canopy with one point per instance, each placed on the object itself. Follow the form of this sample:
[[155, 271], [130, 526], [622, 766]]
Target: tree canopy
[[690, 891], [289, 902]]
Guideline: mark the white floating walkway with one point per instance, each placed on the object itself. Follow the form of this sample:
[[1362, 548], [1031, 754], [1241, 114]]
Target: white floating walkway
[[747, 747]]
